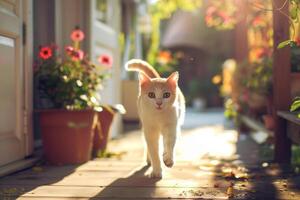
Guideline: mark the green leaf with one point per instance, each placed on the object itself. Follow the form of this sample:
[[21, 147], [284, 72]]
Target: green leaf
[[294, 12], [295, 105], [284, 44]]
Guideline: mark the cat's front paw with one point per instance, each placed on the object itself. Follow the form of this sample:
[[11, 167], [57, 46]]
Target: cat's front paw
[[155, 174], [168, 160], [148, 161]]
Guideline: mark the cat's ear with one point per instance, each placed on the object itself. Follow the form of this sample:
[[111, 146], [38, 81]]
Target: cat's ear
[[144, 79], [173, 79]]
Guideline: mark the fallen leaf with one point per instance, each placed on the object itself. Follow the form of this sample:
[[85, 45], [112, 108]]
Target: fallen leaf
[[196, 193], [293, 193], [241, 176], [105, 154], [37, 169], [230, 191], [284, 185]]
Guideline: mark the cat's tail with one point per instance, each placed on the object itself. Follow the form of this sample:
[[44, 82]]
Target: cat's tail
[[143, 67]]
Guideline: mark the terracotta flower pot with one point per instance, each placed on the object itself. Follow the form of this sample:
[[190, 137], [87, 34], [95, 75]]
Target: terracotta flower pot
[[102, 132], [257, 101], [67, 135], [269, 122]]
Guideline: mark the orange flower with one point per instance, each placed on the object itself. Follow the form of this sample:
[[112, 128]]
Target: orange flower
[[45, 53], [77, 35], [164, 57], [258, 21], [105, 60]]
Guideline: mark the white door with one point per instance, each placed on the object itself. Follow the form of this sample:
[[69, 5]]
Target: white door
[[105, 22], [12, 146]]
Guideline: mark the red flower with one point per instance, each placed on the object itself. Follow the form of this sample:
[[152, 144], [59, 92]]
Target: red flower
[[45, 53], [77, 35], [105, 60]]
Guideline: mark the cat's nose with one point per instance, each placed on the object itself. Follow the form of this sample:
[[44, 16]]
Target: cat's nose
[[159, 103]]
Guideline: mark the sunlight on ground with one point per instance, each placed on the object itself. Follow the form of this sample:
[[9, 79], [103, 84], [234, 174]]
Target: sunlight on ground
[[211, 141]]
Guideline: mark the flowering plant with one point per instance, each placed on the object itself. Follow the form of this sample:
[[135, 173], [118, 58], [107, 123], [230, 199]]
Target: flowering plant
[[259, 77], [70, 80], [221, 14], [166, 61]]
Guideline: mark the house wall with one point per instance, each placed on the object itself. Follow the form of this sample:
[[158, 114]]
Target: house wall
[[43, 34]]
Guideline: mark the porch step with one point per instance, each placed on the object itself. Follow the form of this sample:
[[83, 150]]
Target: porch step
[[18, 166]]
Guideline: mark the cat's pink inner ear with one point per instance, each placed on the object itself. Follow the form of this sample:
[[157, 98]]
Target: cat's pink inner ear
[[173, 79], [144, 79]]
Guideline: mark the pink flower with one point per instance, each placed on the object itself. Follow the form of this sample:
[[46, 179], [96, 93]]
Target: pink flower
[[224, 16], [77, 55], [69, 50], [105, 60], [210, 10], [77, 35]]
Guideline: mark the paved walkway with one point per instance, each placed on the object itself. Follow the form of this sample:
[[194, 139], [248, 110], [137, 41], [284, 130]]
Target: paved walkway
[[213, 162]]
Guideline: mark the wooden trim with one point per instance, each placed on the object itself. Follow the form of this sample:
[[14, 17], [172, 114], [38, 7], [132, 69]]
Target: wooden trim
[[18, 165], [289, 116], [295, 75], [293, 125], [255, 125], [58, 22], [28, 77], [281, 82], [241, 32]]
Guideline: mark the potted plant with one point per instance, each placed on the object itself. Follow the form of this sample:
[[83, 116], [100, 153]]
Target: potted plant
[[258, 82], [102, 133], [70, 83]]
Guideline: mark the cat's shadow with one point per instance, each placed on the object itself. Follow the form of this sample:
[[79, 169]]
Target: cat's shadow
[[137, 185]]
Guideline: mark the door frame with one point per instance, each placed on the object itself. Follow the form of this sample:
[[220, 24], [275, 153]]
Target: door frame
[[27, 37]]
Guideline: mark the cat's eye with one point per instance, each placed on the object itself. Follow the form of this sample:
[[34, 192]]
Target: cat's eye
[[167, 95], [151, 95]]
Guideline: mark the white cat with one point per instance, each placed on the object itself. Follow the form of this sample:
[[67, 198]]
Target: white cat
[[161, 108]]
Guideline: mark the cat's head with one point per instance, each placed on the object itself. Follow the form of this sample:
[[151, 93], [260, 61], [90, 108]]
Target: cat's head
[[158, 93]]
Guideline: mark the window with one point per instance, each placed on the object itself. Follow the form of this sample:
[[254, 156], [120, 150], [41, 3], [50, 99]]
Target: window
[[101, 10]]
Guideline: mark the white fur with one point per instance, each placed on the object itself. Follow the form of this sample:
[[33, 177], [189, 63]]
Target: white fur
[[159, 115], [166, 122]]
